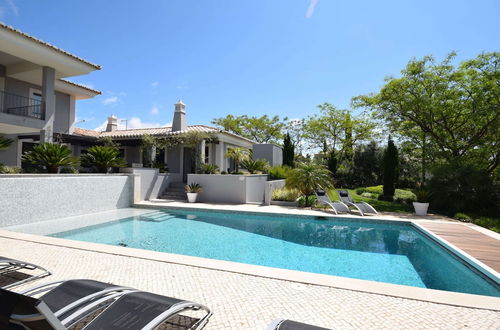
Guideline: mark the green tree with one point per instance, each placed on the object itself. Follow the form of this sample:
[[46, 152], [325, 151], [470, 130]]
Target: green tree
[[5, 142], [337, 129], [453, 110], [50, 157], [288, 151], [391, 161], [332, 162], [309, 177], [102, 158], [254, 165], [237, 154], [262, 129]]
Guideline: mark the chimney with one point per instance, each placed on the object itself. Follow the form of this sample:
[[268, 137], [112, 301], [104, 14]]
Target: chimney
[[112, 124], [179, 123]]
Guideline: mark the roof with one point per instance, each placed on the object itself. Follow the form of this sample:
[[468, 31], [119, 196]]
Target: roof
[[81, 86], [154, 131], [46, 44]]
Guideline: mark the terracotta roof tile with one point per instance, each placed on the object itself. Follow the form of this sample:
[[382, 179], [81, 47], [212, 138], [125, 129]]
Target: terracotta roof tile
[[41, 42]]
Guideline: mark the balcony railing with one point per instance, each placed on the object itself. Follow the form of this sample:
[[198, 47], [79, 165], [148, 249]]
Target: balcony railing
[[21, 106]]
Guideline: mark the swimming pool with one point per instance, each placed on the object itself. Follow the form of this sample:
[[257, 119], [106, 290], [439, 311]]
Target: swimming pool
[[379, 251]]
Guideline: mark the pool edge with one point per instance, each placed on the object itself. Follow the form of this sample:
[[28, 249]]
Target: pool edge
[[386, 289]]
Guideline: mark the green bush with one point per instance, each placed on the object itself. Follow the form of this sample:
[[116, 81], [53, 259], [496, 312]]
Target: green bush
[[208, 168], [102, 158], [490, 223], [50, 157], [279, 172], [463, 188], [9, 169], [404, 196], [301, 201], [462, 217], [285, 194], [254, 165], [366, 195]]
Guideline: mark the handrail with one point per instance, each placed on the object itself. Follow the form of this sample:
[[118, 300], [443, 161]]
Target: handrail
[[21, 106]]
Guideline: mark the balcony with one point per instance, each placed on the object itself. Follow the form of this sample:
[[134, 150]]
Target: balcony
[[21, 106]]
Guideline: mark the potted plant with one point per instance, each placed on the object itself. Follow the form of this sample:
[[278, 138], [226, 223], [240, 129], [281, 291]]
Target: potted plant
[[422, 203], [192, 191]]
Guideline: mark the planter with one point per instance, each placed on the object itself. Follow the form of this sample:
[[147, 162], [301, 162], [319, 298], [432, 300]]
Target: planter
[[420, 208], [192, 197]]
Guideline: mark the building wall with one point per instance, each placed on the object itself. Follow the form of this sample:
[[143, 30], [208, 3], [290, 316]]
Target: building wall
[[271, 152], [31, 198], [64, 109]]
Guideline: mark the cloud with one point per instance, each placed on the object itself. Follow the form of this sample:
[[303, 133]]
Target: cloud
[[155, 83], [154, 110], [136, 122], [110, 100], [311, 7]]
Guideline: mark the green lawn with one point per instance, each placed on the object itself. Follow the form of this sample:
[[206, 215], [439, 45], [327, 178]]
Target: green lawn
[[381, 206]]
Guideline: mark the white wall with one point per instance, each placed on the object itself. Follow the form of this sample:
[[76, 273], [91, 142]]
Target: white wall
[[233, 189], [30, 198]]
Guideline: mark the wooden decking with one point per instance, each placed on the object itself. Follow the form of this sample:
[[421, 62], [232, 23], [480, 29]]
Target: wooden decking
[[482, 247]]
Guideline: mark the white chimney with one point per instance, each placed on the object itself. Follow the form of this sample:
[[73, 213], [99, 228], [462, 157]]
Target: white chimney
[[112, 124], [179, 122]]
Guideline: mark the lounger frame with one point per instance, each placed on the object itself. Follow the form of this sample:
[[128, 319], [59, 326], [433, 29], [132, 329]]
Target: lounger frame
[[8, 265]]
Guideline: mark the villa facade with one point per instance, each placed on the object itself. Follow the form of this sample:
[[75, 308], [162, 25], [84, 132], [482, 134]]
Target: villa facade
[[35, 100], [180, 158]]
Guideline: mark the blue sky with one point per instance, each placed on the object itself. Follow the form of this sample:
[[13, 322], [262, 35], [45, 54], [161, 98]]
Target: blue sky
[[250, 57]]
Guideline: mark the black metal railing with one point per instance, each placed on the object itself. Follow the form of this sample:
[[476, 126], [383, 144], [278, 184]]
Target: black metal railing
[[21, 106]]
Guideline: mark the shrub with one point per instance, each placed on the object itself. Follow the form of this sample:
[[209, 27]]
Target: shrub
[[390, 169], [193, 188], [284, 194], [50, 157], [223, 172], [254, 165], [102, 158], [303, 202], [279, 172], [5, 142], [208, 168], [69, 170], [404, 196], [9, 169], [462, 217], [365, 194], [463, 188]]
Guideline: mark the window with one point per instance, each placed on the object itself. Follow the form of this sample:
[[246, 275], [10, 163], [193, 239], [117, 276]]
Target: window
[[207, 154]]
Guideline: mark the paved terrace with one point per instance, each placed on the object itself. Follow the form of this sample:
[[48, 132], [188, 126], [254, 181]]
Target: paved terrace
[[242, 301]]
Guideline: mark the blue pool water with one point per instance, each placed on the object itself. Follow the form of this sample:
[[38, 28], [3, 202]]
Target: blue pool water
[[386, 252]]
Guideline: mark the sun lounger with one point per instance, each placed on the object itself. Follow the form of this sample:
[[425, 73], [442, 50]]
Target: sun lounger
[[281, 324], [10, 272], [70, 302], [338, 207], [362, 207]]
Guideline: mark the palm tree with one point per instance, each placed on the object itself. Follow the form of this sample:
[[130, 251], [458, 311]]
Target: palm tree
[[5, 142], [102, 158], [50, 156], [309, 177], [237, 154]]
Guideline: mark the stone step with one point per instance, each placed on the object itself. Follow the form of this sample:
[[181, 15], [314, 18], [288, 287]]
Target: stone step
[[177, 195]]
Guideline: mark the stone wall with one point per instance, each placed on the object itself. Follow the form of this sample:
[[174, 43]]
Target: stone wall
[[27, 198]]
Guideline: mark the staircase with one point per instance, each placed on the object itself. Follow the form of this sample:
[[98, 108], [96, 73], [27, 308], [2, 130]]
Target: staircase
[[175, 192]]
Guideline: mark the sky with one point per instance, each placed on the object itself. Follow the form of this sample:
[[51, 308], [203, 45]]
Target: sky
[[253, 57]]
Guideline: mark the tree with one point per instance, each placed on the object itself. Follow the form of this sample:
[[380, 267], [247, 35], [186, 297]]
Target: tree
[[5, 142], [337, 129], [295, 129], [254, 165], [237, 154], [453, 110], [288, 151], [309, 177], [50, 156], [260, 129], [102, 158], [332, 162], [390, 169]]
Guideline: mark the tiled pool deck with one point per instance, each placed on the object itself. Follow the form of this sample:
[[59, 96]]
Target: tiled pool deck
[[241, 301]]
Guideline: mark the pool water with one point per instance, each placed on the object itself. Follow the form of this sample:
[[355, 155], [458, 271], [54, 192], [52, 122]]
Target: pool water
[[378, 251]]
